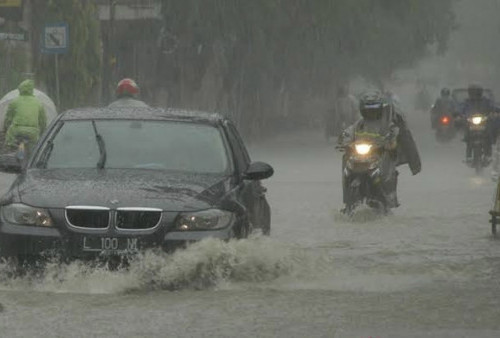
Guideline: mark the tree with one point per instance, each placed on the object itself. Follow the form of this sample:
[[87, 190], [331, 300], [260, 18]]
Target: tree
[[266, 58], [80, 68]]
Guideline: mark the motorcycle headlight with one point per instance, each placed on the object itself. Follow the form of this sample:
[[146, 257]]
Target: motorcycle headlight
[[22, 214], [477, 120], [363, 148], [204, 220]]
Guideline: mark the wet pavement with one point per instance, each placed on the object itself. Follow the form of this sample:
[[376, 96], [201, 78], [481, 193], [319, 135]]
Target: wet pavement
[[430, 269]]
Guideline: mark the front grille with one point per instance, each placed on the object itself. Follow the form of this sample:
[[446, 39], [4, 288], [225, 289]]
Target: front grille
[[88, 217], [137, 218]]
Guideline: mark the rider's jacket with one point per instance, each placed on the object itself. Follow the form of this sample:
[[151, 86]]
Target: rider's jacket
[[444, 105], [394, 131], [482, 105], [25, 116], [128, 102]]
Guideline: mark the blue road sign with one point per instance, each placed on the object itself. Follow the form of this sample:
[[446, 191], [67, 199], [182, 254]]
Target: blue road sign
[[55, 39]]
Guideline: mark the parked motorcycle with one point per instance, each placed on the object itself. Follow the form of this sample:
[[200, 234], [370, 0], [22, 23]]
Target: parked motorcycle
[[361, 176], [11, 158]]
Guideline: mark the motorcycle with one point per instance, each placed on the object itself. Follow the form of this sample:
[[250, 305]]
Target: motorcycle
[[445, 129], [362, 178], [12, 158], [495, 211], [477, 140]]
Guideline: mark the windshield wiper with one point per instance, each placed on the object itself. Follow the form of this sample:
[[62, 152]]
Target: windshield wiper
[[102, 147]]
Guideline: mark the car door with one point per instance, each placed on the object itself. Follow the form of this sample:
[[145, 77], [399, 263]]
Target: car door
[[251, 193]]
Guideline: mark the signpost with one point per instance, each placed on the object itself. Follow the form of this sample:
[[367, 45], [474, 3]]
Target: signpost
[[11, 9], [55, 40], [16, 36], [11, 3]]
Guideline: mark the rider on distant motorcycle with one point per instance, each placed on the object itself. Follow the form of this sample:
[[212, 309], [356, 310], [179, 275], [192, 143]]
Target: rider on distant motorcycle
[[477, 103], [382, 122], [25, 120], [127, 91], [376, 123], [444, 105]]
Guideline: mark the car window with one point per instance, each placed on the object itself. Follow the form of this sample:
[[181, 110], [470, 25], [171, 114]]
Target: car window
[[241, 154], [162, 145]]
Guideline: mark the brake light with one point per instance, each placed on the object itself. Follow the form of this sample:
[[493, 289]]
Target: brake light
[[445, 120]]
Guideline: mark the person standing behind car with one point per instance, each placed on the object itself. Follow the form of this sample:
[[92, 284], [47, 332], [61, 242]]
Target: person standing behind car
[[25, 117], [126, 92], [343, 114]]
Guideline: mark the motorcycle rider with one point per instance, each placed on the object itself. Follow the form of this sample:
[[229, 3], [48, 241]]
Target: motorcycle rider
[[25, 118], [477, 103], [444, 105], [423, 99], [343, 114], [126, 92], [382, 122]]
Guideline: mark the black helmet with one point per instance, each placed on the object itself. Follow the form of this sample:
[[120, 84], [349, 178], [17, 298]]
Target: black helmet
[[475, 91], [372, 105], [445, 92]]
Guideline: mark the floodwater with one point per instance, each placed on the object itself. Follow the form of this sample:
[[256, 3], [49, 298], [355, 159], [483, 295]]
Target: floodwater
[[430, 269]]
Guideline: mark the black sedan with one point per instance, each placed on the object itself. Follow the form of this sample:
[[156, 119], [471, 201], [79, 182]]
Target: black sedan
[[105, 182]]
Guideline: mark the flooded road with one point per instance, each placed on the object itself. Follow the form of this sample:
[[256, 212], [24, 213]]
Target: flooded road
[[431, 269]]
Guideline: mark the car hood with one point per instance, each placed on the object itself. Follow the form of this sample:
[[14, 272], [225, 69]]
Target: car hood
[[115, 188]]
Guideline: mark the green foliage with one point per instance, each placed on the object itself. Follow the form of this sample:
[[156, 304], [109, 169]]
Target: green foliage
[[80, 68], [12, 63], [301, 46]]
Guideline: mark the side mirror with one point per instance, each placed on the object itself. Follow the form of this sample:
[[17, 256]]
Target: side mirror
[[258, 171], [10, 164]]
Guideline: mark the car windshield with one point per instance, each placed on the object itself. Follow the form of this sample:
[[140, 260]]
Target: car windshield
[[125, 144]]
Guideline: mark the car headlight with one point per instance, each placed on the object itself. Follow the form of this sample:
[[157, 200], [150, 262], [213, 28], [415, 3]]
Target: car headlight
[[204, 220], [23, 214], [363, 148]]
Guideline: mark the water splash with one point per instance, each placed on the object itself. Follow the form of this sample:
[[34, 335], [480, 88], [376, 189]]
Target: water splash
[[362, 214], [202, 265]]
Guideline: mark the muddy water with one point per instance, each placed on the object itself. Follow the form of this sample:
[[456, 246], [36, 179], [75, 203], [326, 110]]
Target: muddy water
[[430, 269]]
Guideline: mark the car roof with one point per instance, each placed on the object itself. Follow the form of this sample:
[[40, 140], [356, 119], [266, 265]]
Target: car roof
[[142, 113]]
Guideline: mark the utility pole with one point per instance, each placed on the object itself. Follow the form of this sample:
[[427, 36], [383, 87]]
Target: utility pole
[[108, 52], [28, 26]]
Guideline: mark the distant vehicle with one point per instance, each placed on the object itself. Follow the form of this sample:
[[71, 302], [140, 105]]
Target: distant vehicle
[[361, 176], [477, 126], [445, 128], [104, 182]]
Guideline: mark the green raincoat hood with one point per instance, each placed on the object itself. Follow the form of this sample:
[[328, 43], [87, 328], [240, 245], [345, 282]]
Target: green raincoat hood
[[26, 87]]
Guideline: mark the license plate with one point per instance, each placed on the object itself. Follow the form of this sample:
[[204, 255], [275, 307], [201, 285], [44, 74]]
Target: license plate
[[110, 245]]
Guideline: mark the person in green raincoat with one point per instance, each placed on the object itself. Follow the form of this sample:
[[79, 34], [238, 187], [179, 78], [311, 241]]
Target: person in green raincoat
[[25, 117]]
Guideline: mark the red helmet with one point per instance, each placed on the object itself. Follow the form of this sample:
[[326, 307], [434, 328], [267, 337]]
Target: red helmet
[[127, 87]]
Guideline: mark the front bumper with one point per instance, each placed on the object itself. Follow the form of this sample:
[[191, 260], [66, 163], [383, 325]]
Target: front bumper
[[19, 240]]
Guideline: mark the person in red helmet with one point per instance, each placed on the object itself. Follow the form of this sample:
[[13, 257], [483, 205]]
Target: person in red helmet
[[126, 93]]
